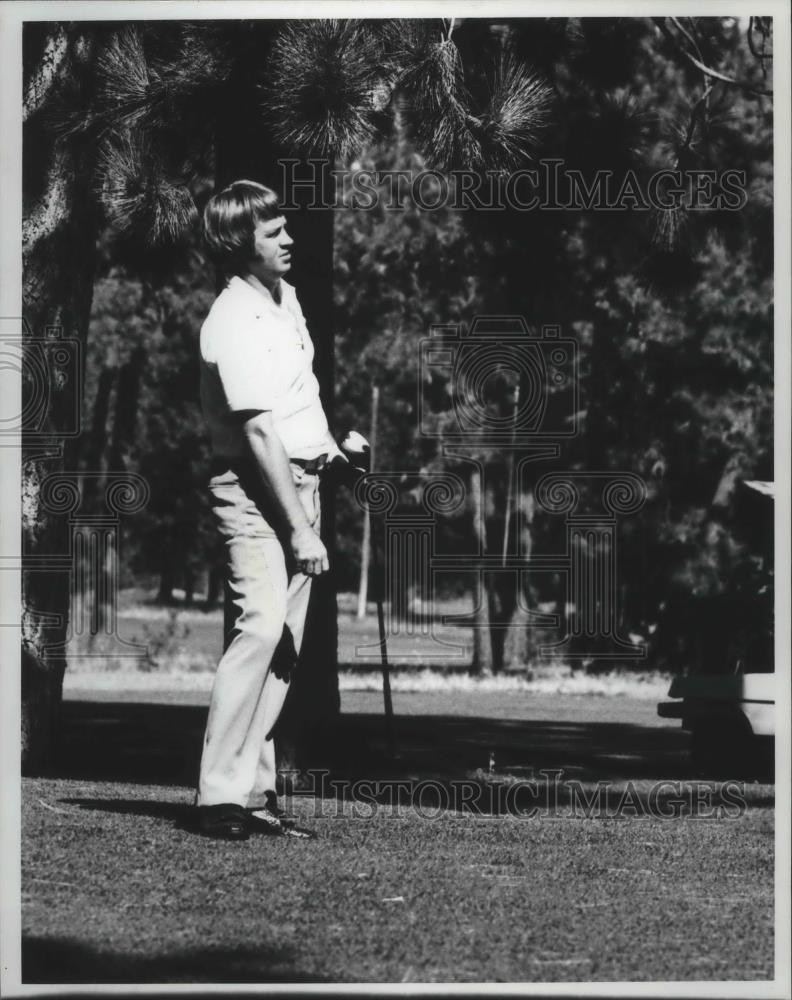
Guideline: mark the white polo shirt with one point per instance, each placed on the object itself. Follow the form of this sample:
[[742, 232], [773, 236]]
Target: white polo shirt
[[257, 355]]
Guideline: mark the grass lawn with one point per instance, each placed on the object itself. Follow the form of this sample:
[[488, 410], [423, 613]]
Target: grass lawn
[[116, 890]]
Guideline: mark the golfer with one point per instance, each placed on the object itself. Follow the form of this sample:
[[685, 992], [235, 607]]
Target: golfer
[[270, 440]]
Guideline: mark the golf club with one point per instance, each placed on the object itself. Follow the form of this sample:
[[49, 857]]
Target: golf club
[[358, 452]]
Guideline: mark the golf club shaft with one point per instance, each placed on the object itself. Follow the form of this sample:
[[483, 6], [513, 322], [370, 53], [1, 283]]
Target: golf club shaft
[[386, 687]]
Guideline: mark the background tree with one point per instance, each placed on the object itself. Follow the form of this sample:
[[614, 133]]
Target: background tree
[[60, 225]]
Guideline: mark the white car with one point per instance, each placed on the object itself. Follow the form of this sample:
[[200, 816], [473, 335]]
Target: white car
[[731, 717]]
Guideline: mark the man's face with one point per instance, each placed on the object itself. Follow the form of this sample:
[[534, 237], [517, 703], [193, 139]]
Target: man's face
[[271, 250]]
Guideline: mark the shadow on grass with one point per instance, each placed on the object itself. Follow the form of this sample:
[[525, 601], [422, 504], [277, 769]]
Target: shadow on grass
[[443, 761], [67, 960], [141, 743], [490, 799], [180, 814], [146, 743]]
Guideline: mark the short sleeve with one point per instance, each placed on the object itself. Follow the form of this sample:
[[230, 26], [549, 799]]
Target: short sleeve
[[246, 369]]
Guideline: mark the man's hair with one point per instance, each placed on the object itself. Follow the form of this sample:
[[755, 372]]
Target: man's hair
[[230, 219]]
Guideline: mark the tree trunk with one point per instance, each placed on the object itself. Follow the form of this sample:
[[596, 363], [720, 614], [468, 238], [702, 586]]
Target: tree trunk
[[126, 409], [519, 644], [314, 702], [501, 592], [167, 582], [97, 442], [482, 645], [189, 587], [58, 253], [214, 584], [92, 457]]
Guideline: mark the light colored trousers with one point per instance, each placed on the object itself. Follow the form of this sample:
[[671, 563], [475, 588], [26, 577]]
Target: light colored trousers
[[270, 601]]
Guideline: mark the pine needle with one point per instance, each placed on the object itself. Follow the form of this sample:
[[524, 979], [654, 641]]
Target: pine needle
[[436, 111], [136, 89], [439, 108], [668, 225], [518, 112], [622, 126], [697, 136], [140, 202], [325, 88], [198, 62], [126, 81]]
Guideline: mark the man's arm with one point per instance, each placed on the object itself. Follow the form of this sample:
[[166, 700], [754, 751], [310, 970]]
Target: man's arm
[[273, 465]]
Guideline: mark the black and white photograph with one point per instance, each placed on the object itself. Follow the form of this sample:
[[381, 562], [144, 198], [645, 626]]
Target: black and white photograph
[[393, 484]]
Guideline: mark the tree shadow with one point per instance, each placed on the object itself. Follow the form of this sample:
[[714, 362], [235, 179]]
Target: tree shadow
[[160, 744], [133, 742], [546, 794], [68, 960]]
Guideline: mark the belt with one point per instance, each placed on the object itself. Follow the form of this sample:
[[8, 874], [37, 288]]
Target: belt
[[311, 465], [220, 464]]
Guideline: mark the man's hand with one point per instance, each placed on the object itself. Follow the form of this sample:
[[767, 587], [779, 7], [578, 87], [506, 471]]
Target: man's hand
[[266, 448], [309, 552], [351, 461]]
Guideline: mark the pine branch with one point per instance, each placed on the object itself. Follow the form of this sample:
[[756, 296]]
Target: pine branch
[[326, 87], [141, 203], [127, 84], [668, 227], [758, 24], [135, 90], [498, 134], [692, 143], [200, 61], [708, 71], [437, 104], [517, 113], [682, 30], [625, 124]]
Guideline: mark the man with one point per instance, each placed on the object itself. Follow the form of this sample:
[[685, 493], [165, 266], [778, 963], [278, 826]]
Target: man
[[270, 439]]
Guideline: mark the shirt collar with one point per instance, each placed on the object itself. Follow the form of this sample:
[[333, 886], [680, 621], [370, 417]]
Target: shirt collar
[[257, 299]]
